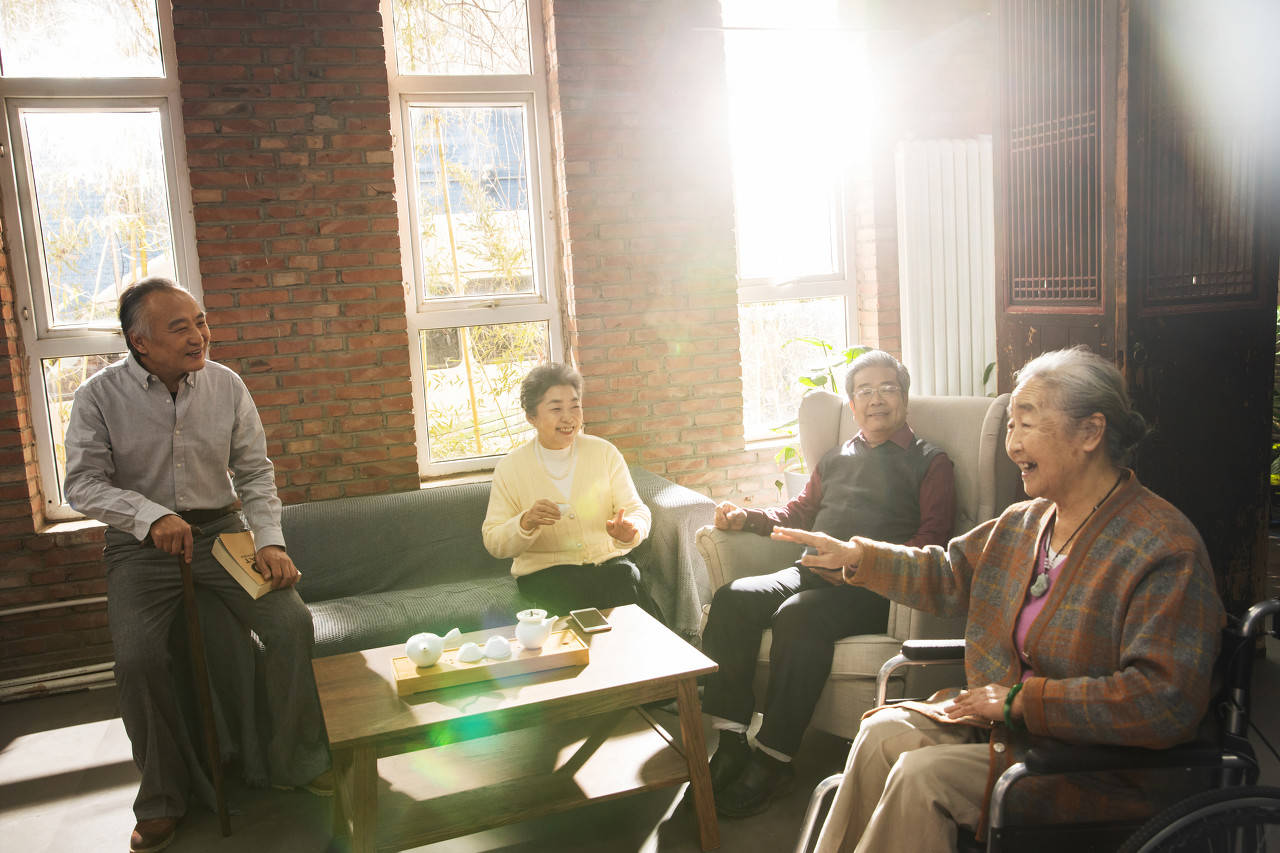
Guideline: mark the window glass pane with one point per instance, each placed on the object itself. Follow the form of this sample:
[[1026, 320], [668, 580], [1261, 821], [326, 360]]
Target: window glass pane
[[790, 143], [775, 360], [102, 204], [62, 376], [472, 379], [475, 239], [462, 36], [79, 38]]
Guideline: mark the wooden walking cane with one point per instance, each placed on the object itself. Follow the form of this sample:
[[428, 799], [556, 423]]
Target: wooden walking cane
[[204, 696]]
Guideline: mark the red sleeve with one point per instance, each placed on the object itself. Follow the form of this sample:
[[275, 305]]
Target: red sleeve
[[937, 504], [799, 512]]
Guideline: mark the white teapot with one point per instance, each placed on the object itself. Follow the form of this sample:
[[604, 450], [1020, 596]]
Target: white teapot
[[425, 649], [534, 627]]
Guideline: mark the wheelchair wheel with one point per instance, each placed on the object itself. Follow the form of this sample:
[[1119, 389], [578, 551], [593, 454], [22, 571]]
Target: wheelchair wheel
[[1225, 820]]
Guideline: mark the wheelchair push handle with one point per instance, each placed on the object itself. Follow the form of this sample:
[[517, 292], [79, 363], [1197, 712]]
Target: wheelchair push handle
[[1255, 619]]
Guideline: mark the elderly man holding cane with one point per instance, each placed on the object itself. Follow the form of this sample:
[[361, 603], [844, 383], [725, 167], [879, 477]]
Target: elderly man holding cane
[[160, 446]]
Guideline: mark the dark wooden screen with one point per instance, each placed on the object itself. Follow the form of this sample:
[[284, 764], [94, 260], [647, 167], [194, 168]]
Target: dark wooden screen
[[1202, 270], [1054, 189], [1196, 167]]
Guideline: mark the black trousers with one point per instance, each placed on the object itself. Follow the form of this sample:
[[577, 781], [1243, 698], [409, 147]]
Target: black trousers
[[807, 616], [559, 589]]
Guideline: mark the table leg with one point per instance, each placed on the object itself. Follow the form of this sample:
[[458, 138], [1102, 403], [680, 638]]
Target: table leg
[[695, 750], [364, 798], [342, 788]]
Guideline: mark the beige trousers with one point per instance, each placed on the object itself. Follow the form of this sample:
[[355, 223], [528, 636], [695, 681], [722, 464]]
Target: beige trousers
[[908, 783]]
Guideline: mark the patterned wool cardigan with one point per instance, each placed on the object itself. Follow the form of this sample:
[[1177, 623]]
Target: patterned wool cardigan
[[1123, 651]]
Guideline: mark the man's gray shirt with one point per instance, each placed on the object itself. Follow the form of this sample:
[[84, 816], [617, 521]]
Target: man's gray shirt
[[135, 453]]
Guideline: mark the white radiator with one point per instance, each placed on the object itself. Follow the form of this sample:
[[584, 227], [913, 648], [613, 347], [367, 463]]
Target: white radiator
[[946, 264]]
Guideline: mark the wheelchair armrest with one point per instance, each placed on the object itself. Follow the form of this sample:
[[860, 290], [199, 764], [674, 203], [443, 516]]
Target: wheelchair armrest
[[1043, 759], [917, 653], [933, 650]]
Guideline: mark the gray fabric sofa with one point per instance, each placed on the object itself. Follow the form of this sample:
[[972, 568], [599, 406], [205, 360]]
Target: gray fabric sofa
[[377, 569]]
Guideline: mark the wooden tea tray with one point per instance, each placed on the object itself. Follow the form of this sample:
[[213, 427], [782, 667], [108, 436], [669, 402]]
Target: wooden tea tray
[[562, 648]]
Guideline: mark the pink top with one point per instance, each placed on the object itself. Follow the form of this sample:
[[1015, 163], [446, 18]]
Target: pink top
[[1032, 606]]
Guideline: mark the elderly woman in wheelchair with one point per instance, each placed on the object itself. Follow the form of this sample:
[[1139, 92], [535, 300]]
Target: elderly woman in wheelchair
[[1092, 618]]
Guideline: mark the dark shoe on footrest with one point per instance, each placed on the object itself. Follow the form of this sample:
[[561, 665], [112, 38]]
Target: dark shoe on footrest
[[762, 781]]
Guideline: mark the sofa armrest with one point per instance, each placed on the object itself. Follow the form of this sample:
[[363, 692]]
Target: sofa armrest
[[668, 559], [733, 554]]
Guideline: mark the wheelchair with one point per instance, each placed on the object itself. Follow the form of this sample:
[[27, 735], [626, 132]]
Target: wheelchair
[[1233, 816]]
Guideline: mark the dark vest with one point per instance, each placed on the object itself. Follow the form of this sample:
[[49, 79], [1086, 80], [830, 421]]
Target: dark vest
[[873, 491]]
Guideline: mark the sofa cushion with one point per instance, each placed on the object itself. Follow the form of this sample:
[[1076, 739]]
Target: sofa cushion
[[353, 623], [407, 540]]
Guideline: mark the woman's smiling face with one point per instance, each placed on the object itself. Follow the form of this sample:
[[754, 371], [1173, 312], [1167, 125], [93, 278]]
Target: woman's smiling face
[[1042, 443], [558, 417]]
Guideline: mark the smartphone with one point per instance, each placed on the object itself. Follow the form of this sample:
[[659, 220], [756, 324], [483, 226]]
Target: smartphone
[[590, 620]]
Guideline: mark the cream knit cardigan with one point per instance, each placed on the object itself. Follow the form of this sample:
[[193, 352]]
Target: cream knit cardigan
[[601, 486]]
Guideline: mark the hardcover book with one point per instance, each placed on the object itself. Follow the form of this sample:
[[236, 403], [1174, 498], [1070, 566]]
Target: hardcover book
[[237, 555]]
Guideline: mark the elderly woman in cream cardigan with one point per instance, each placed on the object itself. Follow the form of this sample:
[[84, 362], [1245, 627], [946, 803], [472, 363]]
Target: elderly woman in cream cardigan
[[564, 507]]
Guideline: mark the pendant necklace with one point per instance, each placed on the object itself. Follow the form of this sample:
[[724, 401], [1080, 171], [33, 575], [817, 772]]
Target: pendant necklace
[[1048, 560]]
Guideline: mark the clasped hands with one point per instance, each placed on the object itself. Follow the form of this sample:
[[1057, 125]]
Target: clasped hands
[[174, 536], [545, 512]]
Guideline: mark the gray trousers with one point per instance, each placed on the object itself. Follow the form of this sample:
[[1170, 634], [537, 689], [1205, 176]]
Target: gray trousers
[[807, 615], [144, 592]]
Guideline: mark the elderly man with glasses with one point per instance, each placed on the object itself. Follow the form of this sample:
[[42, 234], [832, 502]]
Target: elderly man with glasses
[[884, 483]]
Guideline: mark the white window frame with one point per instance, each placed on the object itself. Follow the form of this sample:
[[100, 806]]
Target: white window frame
[[840, 282], [494, 90], [22, 227]]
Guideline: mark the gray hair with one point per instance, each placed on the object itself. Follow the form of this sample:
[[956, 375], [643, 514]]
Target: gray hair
[[876, 358], [1080, 383], [133, 299], [542, 379]]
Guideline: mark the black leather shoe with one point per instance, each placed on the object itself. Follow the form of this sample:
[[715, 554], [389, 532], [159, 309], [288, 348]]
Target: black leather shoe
[[762, 781], [729, 760]]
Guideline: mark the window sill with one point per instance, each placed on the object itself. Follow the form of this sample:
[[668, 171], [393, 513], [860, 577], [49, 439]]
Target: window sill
[[456, 479], [74, 525], [771, 443]]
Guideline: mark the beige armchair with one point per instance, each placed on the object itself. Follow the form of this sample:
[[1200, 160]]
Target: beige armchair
[[971, 431]]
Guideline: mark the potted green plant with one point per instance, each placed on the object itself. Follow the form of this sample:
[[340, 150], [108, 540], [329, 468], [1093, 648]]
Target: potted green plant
[[819, 376]]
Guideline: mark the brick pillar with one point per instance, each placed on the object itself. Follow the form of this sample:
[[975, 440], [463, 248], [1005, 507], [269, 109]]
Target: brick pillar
[[646, 219], [287, 123]]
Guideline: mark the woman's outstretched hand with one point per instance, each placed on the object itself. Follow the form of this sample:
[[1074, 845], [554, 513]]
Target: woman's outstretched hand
[[620, 528], [825, 554]]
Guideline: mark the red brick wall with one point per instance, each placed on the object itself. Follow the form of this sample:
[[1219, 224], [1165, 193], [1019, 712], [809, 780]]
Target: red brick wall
[[646, 222], [288, 133]]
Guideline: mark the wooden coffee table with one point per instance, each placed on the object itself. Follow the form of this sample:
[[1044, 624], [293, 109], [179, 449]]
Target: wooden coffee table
[[417, 769]]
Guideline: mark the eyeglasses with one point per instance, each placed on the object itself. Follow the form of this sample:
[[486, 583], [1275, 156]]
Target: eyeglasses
[[887, 389]]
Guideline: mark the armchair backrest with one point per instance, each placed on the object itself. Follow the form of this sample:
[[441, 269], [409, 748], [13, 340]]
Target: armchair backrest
[[970, 429]]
